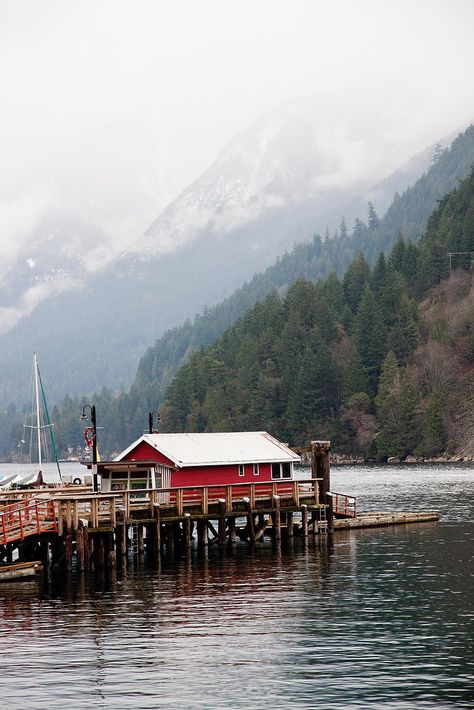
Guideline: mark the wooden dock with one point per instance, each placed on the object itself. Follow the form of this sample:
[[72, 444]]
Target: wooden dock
[[383, 519], [62, 525], [103, 528]]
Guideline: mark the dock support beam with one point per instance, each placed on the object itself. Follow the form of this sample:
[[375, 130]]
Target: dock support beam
[[276, 520], [187, 531], [320, 469], [222, 521], [202, 533], [250, 523], [157, 532], [304, 523]]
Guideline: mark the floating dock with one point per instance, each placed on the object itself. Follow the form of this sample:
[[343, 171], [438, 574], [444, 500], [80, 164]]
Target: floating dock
[[382, 519], [20, 571]]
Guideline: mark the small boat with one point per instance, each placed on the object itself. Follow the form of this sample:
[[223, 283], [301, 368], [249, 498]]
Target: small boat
[[7, 480], [20, 570], [40, 439]]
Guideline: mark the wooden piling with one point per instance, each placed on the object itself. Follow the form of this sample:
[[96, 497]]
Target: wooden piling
[[321, 469], [157, 530], [187, 531], [140, 539], [87, 550], [250, 521], [276, 519], [122, 538], [80, 547], [202, 533], [221, 526], [99, 552], [111, 555], [232, 531], [68, 549], [304, 523]]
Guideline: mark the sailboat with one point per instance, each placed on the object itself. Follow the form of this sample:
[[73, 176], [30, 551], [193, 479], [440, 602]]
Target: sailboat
[[38, 438]]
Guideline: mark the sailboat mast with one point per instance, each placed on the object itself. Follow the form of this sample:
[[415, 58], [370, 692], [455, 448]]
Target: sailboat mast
[[38, 420]]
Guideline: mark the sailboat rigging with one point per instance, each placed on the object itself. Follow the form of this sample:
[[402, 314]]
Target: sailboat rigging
[[41, 424]]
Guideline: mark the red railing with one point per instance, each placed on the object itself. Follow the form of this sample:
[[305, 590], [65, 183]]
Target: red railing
[[344, 505], [26, 517]]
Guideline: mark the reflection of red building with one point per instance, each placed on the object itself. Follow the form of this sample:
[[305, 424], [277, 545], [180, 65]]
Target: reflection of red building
[[183, 460]]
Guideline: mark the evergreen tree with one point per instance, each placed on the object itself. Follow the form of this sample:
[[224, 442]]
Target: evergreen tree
[[343, 231], [404, 334], [408, 431], [355, 279], [315, 396], [437, 153], [434, 435], [356, 379], [373, 220], [387, 401], [369, 335]]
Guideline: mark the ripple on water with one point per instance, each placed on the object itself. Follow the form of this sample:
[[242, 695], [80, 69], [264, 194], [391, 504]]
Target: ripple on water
[[384, 619]]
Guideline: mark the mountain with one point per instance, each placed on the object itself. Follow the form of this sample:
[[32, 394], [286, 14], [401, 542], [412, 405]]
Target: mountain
[[381, 363], [407, 215], [124, 416], [279, 181]]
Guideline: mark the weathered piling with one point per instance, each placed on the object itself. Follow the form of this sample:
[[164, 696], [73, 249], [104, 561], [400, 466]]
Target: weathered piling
[[304, 523], [321, 470], [276, 520]]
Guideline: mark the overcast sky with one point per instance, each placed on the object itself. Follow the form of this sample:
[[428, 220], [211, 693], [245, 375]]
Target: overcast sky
[[110, 107]]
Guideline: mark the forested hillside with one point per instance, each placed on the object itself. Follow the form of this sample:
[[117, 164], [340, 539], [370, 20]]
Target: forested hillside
[[125, 416], [407, 216], [380, 362]]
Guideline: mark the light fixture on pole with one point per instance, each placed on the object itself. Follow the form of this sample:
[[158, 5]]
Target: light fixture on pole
[[90, 437], [150, 421]]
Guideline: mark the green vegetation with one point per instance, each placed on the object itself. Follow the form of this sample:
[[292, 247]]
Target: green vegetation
[[316, 259], [378, 363], [359, 338]]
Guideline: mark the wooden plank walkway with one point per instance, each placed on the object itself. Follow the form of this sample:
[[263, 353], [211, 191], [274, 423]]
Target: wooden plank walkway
[[24, 518]]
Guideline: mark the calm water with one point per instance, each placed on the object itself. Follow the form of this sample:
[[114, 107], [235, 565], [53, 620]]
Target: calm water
[[385, 619]]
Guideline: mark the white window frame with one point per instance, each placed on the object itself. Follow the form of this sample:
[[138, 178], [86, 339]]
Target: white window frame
[[256, 469], [280, 476], [241, 469]]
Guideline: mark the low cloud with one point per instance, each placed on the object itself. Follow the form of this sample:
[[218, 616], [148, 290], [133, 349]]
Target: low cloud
[[31, 298], [19, 216]]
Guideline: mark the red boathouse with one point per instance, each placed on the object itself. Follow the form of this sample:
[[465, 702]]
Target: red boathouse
[[184, 460]]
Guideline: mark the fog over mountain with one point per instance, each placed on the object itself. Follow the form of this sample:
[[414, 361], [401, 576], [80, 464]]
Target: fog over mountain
[[131, 193], [297, 169], [280, 180], [299, 157]]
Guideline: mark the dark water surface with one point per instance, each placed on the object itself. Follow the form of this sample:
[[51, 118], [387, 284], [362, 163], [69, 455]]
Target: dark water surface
[[384, 619]]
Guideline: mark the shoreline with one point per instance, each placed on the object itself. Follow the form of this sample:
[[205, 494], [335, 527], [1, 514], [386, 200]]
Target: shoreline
[[342, 460]]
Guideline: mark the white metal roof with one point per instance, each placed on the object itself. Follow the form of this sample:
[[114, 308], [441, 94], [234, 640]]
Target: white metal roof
[[214, 449]]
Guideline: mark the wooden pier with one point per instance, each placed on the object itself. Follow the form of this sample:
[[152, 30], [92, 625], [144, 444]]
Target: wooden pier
[[62, 525], [104, 529]]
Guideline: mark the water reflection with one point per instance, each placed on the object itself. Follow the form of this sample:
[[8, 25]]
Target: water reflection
[[383, 619]]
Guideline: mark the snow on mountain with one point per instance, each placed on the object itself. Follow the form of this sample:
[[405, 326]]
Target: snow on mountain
[[286, 158], [285, 177]]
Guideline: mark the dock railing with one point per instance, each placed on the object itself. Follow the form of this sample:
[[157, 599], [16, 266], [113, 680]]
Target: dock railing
[[104, 508], [344, 505], [23, 518]]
